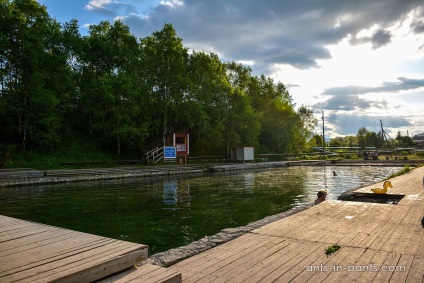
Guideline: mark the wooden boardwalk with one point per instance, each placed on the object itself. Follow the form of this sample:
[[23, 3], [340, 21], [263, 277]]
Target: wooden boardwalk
[[32, 252], [379, 243]]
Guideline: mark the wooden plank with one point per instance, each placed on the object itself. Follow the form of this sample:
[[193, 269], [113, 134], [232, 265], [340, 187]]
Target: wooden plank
[[377, 231], [361, 226], [344, 225], [361, 264], [224, 252], [99, 268], [53, 250], [404, 261], [388, 268], [278, 263], [19, 233], [88, 265], [247, 262], [390, 229], [329, 264], [403, 232], [37, 240], [344, 267], [149, 273], [23, 262], [297, 226], [216, 264], [34, 252], [305, 264], [140, 270], [413, 245], [416, 273], [14, 227], [320, 264], [369, 271]]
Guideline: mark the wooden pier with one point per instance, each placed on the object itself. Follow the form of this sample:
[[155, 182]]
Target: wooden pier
[[32, 252], [379, 243]]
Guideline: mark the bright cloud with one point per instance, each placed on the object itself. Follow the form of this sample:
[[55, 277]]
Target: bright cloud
[[97, 4]]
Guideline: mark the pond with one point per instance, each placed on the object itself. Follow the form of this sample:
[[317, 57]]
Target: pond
[[165, 213]]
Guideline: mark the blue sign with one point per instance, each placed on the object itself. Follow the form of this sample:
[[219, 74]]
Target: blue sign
[[169, 152]]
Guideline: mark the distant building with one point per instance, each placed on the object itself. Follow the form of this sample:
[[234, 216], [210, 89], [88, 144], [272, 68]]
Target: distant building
[[419, 140]]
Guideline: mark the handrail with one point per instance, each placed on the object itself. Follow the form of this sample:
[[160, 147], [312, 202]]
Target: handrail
[[149, 152], [156, 155]]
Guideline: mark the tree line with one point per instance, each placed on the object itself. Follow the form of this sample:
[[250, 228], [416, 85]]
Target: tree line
[[365, 138], [127, 93]]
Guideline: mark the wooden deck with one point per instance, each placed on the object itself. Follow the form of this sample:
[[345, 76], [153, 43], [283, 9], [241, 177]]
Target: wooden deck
[[379, 243], [32, 252], [147, 273]]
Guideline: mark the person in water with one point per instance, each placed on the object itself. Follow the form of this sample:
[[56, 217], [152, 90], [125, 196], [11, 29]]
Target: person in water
[[321, 195]]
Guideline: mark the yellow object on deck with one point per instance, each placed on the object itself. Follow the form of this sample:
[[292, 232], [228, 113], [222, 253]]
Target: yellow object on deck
[[387, 184]]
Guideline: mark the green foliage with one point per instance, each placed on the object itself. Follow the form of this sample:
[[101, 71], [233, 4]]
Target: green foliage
[[331, 249], [127, 93], [31, 61], [72, 149], [403, 171]]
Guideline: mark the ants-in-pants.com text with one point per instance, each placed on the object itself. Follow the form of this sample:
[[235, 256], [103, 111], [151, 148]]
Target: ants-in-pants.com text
[[355, 268]]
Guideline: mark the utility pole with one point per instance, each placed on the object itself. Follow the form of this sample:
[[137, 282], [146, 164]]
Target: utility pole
[[323, 136]]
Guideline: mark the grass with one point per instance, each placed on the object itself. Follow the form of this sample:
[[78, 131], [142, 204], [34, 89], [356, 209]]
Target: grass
[[331, 249], [404, 170], [86, 153], [78, 153]]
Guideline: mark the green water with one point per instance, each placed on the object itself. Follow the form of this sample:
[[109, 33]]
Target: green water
[[167, 213]]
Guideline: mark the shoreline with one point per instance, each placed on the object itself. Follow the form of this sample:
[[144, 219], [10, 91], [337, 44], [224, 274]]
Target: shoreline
[[25, 177], [175, 255]]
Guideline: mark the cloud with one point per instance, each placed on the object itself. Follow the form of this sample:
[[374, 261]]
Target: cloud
[[418, 26], [110, 8], [378, 39], [350, 98], [273, 32], [403, 84], [349, 124], [345, 103], [381, 38]]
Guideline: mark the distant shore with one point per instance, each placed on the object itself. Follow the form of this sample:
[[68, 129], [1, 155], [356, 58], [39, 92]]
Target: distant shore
[[26, 176]]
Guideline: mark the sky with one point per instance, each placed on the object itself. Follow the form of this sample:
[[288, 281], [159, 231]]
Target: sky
[[360, 62]]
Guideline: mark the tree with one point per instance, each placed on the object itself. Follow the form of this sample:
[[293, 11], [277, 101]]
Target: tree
[[206, 102], [281, 126], [371, 139], [304, 129], [111, 88], [404, 140], [316, 141], [31, 61], [242, 126], [362, 132], [125, 93], [165, 70]]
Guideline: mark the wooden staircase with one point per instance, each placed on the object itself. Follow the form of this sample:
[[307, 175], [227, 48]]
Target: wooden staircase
[[149, 273], [155, 155]]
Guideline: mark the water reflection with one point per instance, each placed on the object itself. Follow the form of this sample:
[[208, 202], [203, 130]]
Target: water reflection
[[170, 189], [170, 212]]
